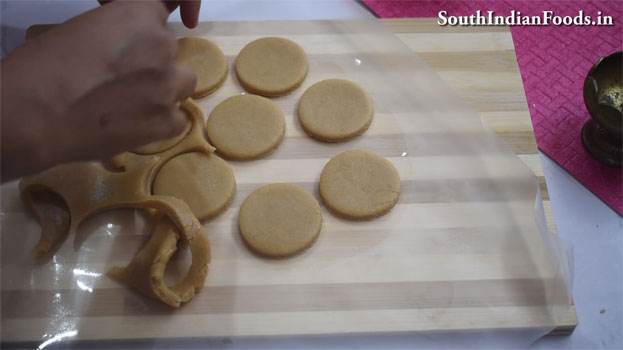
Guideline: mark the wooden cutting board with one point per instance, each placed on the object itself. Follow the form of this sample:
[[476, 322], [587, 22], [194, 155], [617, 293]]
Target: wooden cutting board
[[480, 64], [352, 280]]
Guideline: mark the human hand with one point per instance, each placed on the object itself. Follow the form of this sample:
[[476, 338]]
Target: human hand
[[88, 89], [189, 10]]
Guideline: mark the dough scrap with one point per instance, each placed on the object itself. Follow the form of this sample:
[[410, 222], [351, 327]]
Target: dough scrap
[[88, 189], [359, 184], [54, 218], [271, 66], [208, 184], [279, 220], [145, 272], [246, 127], [206, 60], [335, 110]]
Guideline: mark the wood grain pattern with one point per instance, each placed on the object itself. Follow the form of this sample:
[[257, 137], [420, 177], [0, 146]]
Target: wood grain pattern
[[473, 264], [482, 59]]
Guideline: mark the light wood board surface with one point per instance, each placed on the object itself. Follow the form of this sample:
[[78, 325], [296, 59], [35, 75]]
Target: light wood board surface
[[466, 268], [480, 64]]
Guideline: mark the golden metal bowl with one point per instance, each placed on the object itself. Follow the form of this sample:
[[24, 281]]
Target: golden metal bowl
[[603, 97]]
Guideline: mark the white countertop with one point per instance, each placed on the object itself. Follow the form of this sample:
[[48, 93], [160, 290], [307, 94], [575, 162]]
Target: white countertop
[[594, 230]]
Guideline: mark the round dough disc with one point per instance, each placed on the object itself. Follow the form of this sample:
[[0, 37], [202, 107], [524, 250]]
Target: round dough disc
[[205, 182], [359, 184], [206, 60], [279, 220], [161, 146], [335, 110], [271, 66], [246, 126]]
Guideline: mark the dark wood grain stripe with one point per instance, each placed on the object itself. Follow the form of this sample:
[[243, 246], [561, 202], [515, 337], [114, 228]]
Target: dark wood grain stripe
[[333, 243], [423, 144], [414, 191], [460, 61], [431, 191], [112, 302], [494, 101]]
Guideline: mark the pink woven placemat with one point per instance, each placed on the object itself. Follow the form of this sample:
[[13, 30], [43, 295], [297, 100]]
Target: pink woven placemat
[[553, 61]]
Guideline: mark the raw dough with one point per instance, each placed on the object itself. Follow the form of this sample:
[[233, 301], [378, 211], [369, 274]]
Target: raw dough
[[206, 60], [88, 189], [161, 146], [53, 216], [279, 220], [359, 184], [205, 182], [246, 126], [335, 110], [194, 141], [271, 66], [145, 272]]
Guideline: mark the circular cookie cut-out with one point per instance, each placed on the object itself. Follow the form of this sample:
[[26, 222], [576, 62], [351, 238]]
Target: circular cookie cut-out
[[246, 126], [359, 184], [335, 110], [205, 182], [161, 146], [279, 220], [206, 60], [271, 66]]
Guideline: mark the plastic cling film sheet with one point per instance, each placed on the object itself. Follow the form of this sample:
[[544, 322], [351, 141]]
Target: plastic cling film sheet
[[464, 256]]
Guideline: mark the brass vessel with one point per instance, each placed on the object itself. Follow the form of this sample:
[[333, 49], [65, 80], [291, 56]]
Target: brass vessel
[[603, 97]]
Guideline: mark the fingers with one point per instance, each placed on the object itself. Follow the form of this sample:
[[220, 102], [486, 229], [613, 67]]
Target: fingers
[[126, 113], [189, 11], [160, 10], [160, 88], [177, 122], [184, 83], [156, 49], [119, 91], [171, 4], [159, 126]]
